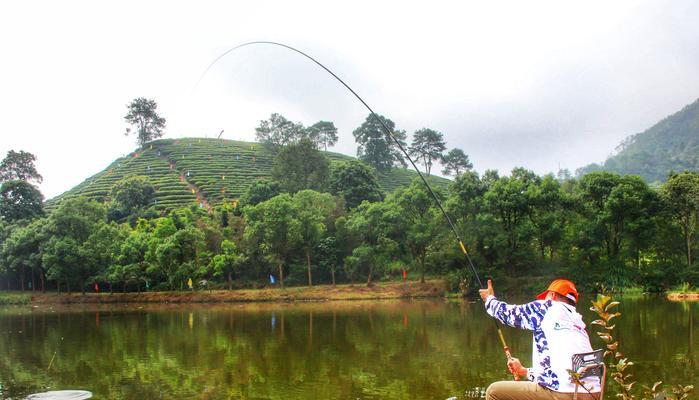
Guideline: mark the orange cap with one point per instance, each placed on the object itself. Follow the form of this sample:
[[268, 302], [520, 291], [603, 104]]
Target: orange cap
[[563, 287]]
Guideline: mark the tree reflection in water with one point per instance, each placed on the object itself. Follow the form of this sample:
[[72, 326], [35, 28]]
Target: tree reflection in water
[[338, 350]]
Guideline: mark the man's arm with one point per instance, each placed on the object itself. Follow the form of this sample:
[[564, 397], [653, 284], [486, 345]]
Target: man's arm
[[526, 316]]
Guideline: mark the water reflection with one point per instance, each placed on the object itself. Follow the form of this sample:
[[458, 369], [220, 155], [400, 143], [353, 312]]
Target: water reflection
[[366, 350]]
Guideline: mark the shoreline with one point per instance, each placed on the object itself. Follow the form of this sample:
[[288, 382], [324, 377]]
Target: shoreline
[[319, 293], [679, 296]]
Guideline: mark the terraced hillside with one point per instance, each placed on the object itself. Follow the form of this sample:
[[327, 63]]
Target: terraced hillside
[[204, 171]]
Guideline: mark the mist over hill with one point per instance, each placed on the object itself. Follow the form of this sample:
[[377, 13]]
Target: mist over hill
[[205, 171], [670, 145]]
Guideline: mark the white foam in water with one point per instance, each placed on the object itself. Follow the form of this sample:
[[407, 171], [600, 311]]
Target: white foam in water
[[61, 395]]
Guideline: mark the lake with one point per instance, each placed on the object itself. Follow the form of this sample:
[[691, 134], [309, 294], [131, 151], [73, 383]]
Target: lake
[[420, 349]]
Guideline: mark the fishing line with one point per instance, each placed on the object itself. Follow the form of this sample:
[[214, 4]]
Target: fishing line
[[395, 140]]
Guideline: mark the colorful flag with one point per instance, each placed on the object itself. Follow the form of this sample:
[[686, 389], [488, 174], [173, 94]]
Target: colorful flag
[[97, 287], [271, 279], [189, 283]]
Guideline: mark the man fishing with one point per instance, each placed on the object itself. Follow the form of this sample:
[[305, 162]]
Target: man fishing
[[559, 332]]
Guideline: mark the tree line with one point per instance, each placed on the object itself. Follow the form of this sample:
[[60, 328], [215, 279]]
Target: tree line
[[317, 222], [603, 229]]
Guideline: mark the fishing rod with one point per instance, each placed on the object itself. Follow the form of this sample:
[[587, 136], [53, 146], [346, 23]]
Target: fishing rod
[[400, 146]]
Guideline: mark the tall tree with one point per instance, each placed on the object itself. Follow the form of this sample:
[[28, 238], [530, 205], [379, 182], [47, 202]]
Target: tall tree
[[313, 211], [506, 200], [274, 226], [376, 147], [278, 131], [681, 194], [20, 200], [428, 146], [70, 227], [547, 203], [22, 250], [228, 262], [132, 193], [143, 116], [19, 166], [324, 133], [455, 162], [261, 190], [301, 166], [419, 220], [372, 224], [355, 182]]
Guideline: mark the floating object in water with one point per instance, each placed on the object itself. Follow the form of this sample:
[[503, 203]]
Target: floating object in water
[[61, 395]]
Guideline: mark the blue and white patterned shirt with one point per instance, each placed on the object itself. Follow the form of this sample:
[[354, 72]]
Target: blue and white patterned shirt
[[559, 332]]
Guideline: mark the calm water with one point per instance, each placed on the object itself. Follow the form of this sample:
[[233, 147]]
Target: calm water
[[357, 350]]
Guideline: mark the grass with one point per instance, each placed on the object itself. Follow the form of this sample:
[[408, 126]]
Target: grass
[[384, 290], [8, 298], [218, 170]]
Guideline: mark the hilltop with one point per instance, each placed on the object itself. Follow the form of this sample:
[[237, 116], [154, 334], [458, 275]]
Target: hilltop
[[670, 145], [208, 171]]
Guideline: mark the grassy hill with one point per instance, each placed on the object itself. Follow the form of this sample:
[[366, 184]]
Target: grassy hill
[[211, 171], [670, 145]]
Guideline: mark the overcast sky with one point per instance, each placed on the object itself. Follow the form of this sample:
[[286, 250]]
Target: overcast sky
[[523, 83]]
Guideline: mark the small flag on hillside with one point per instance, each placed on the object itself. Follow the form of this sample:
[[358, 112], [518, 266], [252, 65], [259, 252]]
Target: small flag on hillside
[[97, 287], [223, 177], [271, 279], [189, 283], [194, 191]]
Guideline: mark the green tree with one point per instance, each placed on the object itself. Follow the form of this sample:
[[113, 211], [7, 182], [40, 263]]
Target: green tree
[[102, 250], [278, 131], [681, 196], [506, 200], [547, 203], [20, 200], [132, 194], [70, 229], [618, 221], [355, 182], [274, 226], [22, 250], [375, 146], [19, 166], [132, 264], [455, 162], [323, 133], [177, 255], [419, 221], [143, 116], [329, 255], [428, 146], [228, 262], [373, 225], [301, 166], [313, 212], [261, 190]]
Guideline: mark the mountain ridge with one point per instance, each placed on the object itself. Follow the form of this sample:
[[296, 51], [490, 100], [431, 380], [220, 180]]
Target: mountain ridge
[[672, 144]]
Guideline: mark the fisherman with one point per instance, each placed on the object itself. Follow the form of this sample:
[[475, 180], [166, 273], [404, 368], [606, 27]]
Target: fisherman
[[559, 332]]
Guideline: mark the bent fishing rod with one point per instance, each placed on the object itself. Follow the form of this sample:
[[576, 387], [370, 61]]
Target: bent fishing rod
[[400, 146]]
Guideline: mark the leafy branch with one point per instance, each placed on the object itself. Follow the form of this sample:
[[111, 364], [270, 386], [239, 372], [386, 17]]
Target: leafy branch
[[604, 307]]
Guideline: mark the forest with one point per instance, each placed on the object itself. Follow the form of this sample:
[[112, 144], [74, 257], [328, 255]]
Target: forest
[[316, 222]]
